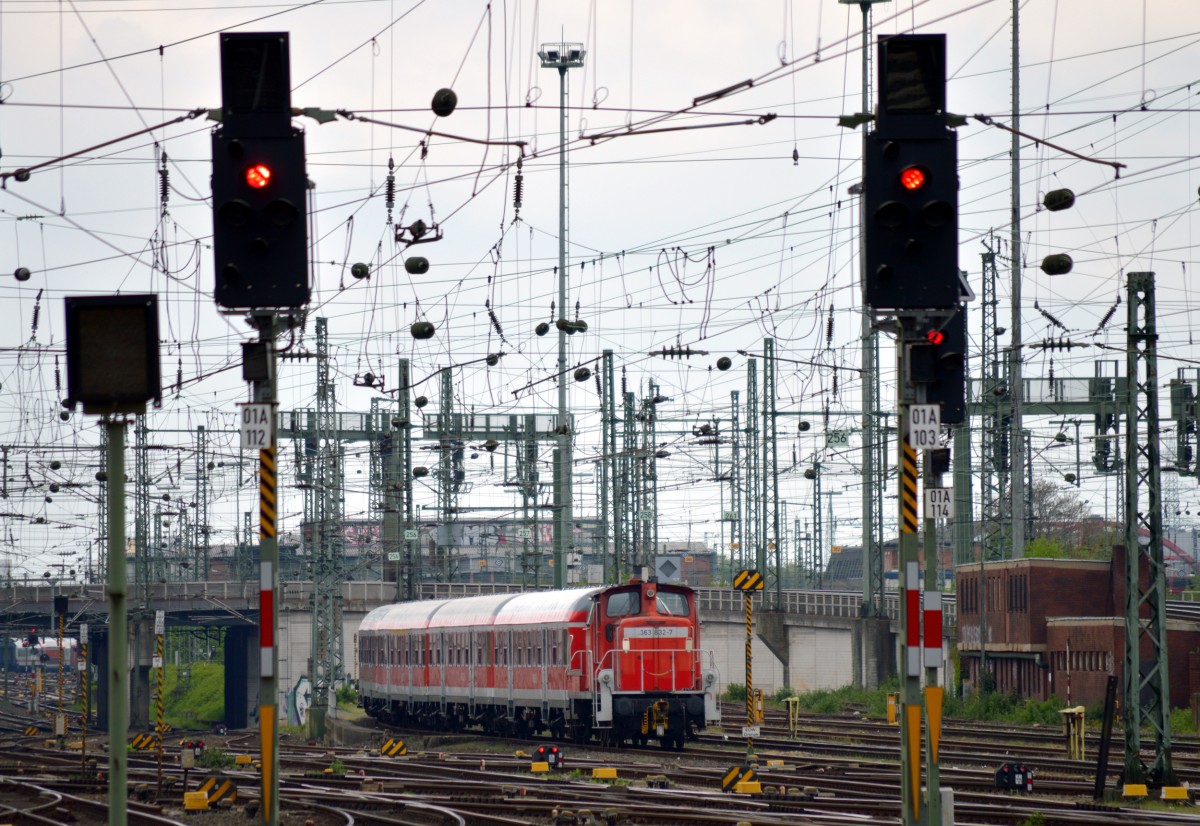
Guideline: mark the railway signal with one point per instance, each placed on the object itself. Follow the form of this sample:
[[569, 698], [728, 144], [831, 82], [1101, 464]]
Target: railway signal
[[260, 187], [939, 362], [910, 186]]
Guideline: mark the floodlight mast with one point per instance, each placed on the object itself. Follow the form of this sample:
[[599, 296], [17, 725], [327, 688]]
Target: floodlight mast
[[562, 56]]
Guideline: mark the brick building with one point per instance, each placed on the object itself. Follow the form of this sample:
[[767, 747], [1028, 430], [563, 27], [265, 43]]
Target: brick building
[[1050, 623]]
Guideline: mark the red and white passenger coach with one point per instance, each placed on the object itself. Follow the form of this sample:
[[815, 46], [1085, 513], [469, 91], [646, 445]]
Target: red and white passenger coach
[[622, 663]]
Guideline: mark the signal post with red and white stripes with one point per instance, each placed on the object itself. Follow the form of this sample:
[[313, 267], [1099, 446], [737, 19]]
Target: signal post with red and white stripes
[[920, 610]]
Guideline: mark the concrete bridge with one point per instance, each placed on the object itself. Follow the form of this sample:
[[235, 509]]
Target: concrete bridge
[[817, 640]]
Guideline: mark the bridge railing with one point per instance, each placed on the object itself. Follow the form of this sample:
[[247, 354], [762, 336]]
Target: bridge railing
[[358, 595]]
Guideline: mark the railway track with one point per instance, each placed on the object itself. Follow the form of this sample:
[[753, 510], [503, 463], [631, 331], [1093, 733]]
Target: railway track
[[838, 770]]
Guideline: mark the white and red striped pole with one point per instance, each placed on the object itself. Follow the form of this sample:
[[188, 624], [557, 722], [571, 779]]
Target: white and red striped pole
[[266, 625], [933, 629], [912, 601]]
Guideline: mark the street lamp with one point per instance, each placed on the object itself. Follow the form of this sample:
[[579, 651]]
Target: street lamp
[[562, 56]]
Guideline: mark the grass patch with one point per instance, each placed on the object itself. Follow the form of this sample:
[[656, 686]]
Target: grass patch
[[203, 704]]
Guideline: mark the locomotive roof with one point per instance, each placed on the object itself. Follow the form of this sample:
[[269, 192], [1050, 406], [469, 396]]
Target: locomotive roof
[[483, 610]]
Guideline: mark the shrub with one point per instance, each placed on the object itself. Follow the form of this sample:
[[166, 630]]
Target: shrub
[[214, 758], [347, 696], [784, 693], [735, 693]]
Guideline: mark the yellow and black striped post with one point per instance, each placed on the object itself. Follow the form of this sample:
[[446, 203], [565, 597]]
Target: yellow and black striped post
[[749, 669], [83, 697], [159, 728], [748, 582], [266, 493], [61, 658], [908, 489]]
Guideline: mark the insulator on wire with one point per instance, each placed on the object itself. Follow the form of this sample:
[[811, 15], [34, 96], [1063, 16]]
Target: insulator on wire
[[495, 322], [518, 190], [1108, 316], [1049, 317], [37, 309], [164, 181], [599, 388], [835, 382], [57, 378], [829, 329]]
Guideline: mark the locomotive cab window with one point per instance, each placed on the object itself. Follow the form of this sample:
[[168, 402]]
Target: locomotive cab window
[[624, 603], [671, 604]]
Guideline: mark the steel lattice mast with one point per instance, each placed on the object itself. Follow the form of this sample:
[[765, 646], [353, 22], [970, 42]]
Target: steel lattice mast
[[327, 544], [1146, 689]]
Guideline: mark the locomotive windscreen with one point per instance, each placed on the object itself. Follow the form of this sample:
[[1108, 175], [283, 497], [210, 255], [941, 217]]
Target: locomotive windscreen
[[671, 604]]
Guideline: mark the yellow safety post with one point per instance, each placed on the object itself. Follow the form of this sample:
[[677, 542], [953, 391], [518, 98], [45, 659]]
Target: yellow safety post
[[1074, 731], [793, 712]]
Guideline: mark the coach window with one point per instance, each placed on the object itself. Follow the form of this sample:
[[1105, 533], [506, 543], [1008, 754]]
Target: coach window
[[541, 645], [624, 603], [554, 660]]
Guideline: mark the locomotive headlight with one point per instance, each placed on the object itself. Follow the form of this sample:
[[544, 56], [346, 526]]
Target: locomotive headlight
[[625, 645], [687, 646]]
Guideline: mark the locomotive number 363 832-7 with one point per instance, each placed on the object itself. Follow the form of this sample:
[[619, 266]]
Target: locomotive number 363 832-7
[[656, 632]]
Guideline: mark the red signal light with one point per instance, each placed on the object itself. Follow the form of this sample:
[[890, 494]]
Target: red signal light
[[258, 175], [912, 178], [935, 336]]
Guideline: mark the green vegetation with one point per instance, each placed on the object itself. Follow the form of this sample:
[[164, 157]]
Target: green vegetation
[[847, 698], [347, 697], [202, 704], [1005, 708], [214, 758], [337, 767], [1035, 819], [992, 706], [735, 693], [1181, 721]]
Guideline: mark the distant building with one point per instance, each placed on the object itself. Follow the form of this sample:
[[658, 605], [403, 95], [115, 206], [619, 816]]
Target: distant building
[[1056, 626]]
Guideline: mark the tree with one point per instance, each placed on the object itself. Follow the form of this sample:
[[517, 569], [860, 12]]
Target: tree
[[1065, 527]]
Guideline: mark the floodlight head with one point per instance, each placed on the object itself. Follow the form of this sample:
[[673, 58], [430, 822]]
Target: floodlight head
[[562, 55]]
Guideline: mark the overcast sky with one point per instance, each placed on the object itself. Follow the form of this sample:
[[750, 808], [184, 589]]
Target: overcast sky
[[712, 238]]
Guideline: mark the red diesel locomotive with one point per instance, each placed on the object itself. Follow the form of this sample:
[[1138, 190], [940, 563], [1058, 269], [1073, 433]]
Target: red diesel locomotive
[[621, 663]]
